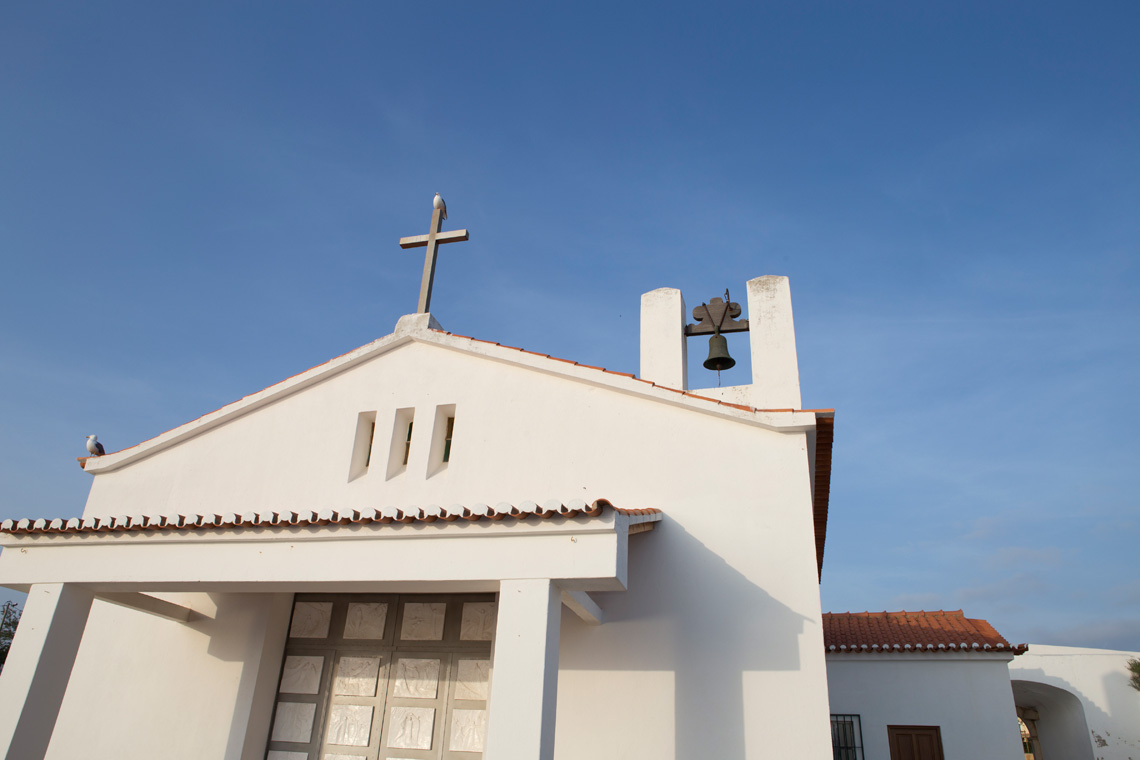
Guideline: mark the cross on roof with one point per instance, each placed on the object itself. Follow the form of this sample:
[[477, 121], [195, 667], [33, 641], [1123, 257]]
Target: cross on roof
[[431, 240]]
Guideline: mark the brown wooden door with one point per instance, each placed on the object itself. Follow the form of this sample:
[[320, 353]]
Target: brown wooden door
[[915, 742]]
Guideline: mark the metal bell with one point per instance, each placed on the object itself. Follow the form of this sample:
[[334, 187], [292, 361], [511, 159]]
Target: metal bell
[[718, 354]]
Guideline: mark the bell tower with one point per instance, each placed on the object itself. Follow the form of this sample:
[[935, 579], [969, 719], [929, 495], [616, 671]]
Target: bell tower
[[772, 342]]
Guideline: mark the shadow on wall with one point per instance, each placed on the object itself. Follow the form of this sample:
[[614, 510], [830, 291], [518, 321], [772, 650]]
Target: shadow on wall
[[1061, 725], [689, 612]]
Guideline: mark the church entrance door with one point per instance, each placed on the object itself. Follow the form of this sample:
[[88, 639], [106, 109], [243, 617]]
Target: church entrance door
[[384, 677], [915, 742]]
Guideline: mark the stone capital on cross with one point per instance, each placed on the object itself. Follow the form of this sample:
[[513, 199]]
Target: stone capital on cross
[[431, 241]]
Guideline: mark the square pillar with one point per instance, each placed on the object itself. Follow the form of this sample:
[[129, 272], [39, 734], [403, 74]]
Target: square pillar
[[772, 338], [257, 690], [39, 666], [524, 682], [664, 353]]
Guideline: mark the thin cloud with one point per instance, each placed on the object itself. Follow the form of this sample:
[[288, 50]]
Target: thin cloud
[[914, 602], [1009, 590], [1121, 634], [983, 528], [1023, 556], [1126, 594]]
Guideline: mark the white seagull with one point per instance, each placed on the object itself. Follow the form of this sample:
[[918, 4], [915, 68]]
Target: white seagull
[[94, 447], [438, 203]]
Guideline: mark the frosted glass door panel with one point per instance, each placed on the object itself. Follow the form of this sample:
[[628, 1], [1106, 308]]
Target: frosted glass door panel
[[372, 677]]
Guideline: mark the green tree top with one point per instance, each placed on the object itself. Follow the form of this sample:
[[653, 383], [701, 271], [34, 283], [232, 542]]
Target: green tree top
[[9, 619]]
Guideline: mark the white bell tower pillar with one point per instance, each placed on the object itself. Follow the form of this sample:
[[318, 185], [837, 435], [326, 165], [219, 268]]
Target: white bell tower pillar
[[664, 356], [772, 339]]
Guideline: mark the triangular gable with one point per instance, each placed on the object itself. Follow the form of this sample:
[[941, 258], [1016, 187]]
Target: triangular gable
[[423, 328]]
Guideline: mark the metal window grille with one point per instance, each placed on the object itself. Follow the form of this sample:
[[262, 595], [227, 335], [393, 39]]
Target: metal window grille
[[846, 737]]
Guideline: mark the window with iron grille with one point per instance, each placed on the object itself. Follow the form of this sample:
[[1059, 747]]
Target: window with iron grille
[[846, 737]]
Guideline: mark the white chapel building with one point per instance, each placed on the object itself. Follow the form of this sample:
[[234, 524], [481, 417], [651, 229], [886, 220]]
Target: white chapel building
[[470, 550], [475, 551]]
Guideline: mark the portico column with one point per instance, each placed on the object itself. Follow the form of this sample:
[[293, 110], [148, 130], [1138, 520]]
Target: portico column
[[39, 666], [524, 686]]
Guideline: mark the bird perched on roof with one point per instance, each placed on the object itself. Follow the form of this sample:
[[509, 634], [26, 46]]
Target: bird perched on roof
[[94, 447], [439, 204]]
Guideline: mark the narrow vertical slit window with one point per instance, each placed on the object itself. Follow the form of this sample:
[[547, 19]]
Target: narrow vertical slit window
[[400, 450], [362, 445], [447, 439], [442, 432], [371, 435], [408, 444]]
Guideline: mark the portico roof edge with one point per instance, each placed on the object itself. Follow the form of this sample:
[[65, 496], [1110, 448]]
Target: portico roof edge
[[912, 654], [271, 519], [789, 420]]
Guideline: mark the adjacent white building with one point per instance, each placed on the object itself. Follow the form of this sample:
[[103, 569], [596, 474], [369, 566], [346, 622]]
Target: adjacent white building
[[1077, 702], [920, 685]]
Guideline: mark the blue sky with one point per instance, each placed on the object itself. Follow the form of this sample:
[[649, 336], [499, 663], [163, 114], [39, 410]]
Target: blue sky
[[197, 201]]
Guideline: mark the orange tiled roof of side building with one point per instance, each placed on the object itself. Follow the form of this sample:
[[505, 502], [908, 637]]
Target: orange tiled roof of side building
[[934, 631]]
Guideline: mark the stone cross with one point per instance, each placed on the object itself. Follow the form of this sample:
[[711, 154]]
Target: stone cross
[[431, 240]]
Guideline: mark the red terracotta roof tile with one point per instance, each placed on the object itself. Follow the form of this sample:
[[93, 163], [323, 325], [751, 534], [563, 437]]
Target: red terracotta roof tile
[[553, 508], [935, 631]]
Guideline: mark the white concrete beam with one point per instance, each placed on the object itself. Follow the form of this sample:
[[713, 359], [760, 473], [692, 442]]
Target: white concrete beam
[[772, 338], [584, 607], [175, 561], [664, 354], [39, 667], [149, 604], [524, 687]]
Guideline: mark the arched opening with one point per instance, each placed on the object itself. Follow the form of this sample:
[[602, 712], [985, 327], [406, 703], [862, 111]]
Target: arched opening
[[1029, 740], [1055, 722]]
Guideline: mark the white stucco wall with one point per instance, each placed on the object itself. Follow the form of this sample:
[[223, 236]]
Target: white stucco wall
[[716, 648], [1098, 680], [967, 696]]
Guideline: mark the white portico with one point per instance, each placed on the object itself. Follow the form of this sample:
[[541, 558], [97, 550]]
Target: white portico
[[535, 557]]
